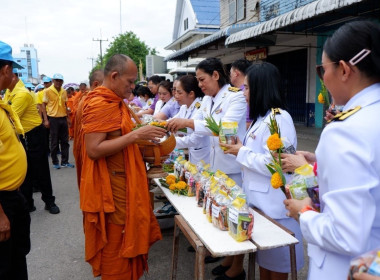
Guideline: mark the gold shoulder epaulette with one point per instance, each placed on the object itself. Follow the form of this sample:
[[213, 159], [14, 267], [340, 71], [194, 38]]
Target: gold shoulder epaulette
[[197, 105], [276, 111], [234, 89], [344, 115]]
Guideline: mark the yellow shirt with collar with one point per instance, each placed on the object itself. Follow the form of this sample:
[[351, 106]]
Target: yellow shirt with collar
[[40, 96], [12, 156], [55, 102], [23, 103]]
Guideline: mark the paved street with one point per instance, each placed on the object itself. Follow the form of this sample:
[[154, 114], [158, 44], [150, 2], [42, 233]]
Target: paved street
[[58, 242]]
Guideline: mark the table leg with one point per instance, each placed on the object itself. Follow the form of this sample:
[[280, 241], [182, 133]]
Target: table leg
[[175, 251], [251, 265], [200, 263], [293, 262]]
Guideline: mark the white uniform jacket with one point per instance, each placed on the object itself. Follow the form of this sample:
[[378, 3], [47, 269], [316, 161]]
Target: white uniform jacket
[[198, 145], [253, 157], [228, 106], [348, 157]]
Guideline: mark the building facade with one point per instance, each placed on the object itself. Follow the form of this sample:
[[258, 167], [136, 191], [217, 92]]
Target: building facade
[[28, 59]]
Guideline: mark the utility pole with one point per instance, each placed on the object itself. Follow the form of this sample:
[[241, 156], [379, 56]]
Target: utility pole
[[92, 61], [101, 53]]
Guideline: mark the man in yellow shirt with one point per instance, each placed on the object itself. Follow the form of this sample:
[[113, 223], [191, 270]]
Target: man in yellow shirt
[[55, 98], [24, 105], [14, 216]]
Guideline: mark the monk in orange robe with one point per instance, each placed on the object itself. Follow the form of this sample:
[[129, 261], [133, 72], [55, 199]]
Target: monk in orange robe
[[96, 79], [119, 223], [70, 95]]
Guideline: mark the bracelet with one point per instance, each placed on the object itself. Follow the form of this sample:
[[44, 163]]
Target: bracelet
[[306, 208]]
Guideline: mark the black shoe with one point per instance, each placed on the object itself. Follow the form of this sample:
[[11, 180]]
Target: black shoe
[[210, 259], [241, 276], [190, 249], [220, 270], [53, 209], [32, 209]]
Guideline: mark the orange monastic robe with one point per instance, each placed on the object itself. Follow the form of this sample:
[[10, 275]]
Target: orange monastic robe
[[104, 111]]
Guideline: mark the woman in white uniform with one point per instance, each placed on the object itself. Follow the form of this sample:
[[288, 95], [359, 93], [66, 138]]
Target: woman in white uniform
[[189, 96], [348, 156], [222, 102], [263, 93], [164, 95]]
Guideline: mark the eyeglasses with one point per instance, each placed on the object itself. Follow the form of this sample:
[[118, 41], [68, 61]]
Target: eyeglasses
[[321, 70]]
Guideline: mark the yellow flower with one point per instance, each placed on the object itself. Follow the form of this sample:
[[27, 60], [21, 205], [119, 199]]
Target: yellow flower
[[162, 123], [276, 180], [154, 123], [170, 179], [321, 99], [274, 142], [181, 185], [172, 187]]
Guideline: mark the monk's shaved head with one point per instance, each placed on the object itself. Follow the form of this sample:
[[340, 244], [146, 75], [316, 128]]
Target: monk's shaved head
[[96, 78], [117, 63]]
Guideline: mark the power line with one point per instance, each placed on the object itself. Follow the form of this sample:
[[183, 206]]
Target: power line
[[101, 52]]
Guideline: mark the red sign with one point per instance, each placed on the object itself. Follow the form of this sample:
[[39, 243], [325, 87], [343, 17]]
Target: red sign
[[257, 54]]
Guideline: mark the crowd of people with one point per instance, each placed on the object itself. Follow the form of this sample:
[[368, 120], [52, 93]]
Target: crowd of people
[[119, 224]]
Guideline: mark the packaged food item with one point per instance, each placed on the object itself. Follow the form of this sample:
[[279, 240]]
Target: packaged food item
[[240, 219], [201, 180], [228, 133], [220, 210], [302, 180], [368, 262], [210, 199], [190, 172]]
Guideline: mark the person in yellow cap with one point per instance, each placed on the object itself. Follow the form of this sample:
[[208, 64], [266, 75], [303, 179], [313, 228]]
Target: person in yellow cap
[[14, 216], [55, 98], [24, 104]]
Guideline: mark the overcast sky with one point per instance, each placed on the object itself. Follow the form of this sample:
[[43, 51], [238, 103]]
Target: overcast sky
[[62, 31]]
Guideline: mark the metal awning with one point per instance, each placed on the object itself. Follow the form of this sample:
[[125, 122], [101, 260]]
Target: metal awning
[[182, 54], [305, 12]]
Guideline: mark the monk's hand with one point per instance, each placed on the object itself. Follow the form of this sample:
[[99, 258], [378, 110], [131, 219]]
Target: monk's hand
[[232, 149], [5, 227], [294, 206], [149, 132], [174, 124], [290, 162]]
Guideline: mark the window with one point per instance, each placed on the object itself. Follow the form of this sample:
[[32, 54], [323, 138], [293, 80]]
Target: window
[[240, 10], [232, 12], [186, 24]]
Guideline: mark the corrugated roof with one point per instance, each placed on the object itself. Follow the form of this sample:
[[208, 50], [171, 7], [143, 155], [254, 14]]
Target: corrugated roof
[[207, 12], [303, 13]]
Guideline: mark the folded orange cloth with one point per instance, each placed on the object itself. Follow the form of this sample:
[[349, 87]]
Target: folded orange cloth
[[104, 111]]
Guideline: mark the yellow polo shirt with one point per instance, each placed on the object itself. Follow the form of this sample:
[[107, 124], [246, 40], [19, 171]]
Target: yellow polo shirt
[[24, 105], [40, 96], [55, 102], [12, 156]]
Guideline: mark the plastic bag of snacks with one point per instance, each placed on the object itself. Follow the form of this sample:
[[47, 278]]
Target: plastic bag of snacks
[[240, 219], [201, 180], [190, 172], [302, 179], [228, 133], [368, 262], [210, 198], [220, 210]]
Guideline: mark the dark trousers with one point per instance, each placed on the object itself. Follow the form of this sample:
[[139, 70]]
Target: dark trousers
[[38, 171], [13, 251], [59, 134]]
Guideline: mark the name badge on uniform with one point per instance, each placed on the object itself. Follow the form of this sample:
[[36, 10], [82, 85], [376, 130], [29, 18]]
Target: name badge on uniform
[[218, 111], [253, 136]]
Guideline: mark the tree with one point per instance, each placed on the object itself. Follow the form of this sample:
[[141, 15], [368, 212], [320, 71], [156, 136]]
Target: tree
[[128, 44]]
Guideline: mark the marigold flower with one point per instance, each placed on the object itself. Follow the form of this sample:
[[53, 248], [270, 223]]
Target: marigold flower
[[321, 99], [170, 179], [162, 123], [181, 185], [276, 180], [172, 187], [274, 142]]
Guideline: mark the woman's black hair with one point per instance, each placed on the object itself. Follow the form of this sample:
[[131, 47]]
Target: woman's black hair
[[209, 65], [342, 46], [143, 91], [167, 85], [190, 83], [264, 89]]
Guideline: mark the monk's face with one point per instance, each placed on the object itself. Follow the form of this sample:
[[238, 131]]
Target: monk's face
[[125, 82]]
